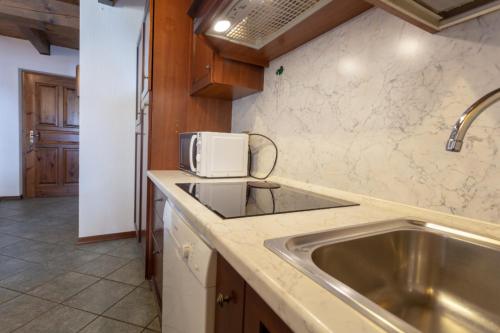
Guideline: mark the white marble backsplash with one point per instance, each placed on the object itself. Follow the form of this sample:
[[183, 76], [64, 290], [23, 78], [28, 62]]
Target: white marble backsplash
[[368, 108]]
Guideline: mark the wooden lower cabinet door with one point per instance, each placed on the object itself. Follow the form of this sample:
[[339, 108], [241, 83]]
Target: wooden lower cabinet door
[[230, 295], [259, 317]]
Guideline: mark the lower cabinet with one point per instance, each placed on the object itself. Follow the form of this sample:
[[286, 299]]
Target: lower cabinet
[[259, 317], [230, 297], [155, 239], [239, 308]]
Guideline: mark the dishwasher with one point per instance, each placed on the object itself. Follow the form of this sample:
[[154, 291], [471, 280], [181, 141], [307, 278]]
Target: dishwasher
[[189, 270]]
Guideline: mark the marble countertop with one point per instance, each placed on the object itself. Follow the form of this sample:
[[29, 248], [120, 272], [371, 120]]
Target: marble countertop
[[303, 304]]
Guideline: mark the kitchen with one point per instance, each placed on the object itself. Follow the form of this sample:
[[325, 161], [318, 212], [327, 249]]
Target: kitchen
[[363, 167], [299, 166]]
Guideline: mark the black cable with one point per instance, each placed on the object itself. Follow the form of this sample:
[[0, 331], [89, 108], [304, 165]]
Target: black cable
[[250, 160], [274, 200]]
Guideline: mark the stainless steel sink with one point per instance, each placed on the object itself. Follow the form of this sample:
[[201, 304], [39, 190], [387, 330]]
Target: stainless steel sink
[[405, 275]]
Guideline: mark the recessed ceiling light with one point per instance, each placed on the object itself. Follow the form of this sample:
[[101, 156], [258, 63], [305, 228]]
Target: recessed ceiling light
[[222, 25]]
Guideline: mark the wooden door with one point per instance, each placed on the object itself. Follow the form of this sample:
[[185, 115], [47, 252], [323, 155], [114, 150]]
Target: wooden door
[[230, 294], [259, 317], [202, 63], [50, 135]]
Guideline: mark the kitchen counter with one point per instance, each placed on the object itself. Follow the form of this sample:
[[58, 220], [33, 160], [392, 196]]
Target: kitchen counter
[[303, 304]]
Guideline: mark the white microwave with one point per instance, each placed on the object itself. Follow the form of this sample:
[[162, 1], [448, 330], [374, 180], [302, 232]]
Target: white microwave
[[214, 154]]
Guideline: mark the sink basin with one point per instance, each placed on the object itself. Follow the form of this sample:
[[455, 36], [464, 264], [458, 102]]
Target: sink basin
[[405, 275]]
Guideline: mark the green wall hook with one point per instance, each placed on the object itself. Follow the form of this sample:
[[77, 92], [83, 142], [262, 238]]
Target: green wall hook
[[280, 71]]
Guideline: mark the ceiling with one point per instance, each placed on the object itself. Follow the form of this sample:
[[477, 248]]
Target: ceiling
[[42, 22]]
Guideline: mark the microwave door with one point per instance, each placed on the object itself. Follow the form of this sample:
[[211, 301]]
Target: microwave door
[[188, 151], [192, 154]]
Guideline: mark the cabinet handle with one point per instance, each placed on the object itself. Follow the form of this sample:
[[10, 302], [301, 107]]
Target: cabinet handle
[[156, 252], [159, 200], [221, 299], [207, 67]]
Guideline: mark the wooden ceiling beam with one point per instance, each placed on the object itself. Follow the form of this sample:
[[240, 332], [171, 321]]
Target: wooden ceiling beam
[[42, 22], [48, 27], [73, 2], [46, 6], [22, 13], [38, 39], [108, 2]]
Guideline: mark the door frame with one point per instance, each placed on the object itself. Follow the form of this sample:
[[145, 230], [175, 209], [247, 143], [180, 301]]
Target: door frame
[[23, 121]]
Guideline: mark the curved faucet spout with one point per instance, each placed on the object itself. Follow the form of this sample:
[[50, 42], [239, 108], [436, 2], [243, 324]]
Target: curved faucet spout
[[467, 118]]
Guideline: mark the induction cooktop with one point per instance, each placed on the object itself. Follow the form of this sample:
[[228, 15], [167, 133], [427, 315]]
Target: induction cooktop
[[245, 199]]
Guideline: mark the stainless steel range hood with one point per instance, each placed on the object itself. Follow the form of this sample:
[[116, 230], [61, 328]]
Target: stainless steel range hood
[[255, 23], [436, 15]]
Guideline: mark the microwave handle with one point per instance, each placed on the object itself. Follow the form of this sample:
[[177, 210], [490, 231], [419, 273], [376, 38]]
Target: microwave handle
[[191, 146]]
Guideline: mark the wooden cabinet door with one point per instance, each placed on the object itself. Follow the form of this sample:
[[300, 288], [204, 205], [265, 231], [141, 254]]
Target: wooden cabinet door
[[230, 294], [216, 77], [51, 120], [202, 63], [259, 317]]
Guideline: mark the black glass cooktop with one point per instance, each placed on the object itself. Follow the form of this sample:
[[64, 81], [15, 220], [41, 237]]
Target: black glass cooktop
[[244, 199]]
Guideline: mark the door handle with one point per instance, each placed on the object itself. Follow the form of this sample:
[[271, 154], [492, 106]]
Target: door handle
[[33, 135], [222, 299]]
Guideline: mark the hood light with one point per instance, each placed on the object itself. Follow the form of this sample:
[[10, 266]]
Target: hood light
[[222, 25]]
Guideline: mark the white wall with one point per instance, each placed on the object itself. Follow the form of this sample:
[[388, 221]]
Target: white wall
[[108, 37], [17, 54], [368, 108]]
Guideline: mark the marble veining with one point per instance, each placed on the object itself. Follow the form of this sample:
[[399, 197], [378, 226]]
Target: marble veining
[[368, 108]]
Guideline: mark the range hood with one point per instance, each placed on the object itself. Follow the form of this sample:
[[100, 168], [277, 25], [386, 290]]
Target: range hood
[[258, 31], [436, 15], [255, 23]]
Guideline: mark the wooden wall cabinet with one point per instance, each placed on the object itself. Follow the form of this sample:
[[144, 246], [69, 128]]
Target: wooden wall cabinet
[[216, 77], [239, 308]]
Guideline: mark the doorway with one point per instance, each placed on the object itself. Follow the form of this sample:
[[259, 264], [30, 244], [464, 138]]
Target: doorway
[[50, 135]]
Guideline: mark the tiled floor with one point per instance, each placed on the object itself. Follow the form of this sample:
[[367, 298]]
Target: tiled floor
[[50, 284]]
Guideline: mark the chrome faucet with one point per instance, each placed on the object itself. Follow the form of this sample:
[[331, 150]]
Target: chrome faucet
[[467, 118]]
